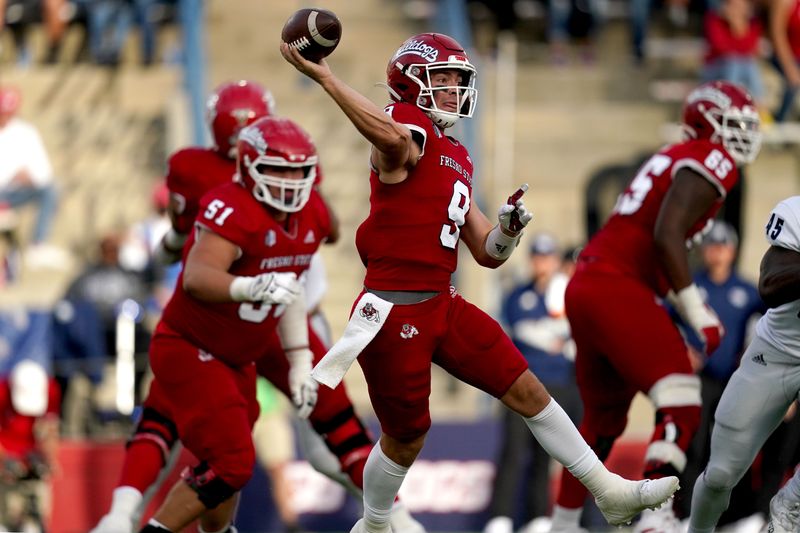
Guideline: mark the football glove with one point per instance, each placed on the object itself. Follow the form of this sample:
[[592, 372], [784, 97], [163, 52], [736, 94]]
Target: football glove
[[699, 316], [513, 215], [271, 288], [302, 386]]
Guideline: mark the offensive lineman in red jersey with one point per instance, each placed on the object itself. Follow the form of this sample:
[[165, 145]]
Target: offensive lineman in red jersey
[[253, 239], [626, 341], [408, 315], [192, 172]]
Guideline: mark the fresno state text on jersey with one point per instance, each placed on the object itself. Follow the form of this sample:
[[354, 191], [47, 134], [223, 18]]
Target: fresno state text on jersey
[[409, 241], [235, 332], [626, 241]]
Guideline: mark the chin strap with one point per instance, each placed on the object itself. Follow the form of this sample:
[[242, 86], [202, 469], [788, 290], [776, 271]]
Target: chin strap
[[392, 92]]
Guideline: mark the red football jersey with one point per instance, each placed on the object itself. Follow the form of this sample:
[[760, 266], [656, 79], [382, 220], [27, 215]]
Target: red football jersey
[[236, 333], [409, 241], [194, 171], [191, 173], [626, 241]]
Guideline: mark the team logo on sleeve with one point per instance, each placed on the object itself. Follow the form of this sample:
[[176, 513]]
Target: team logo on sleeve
[[270, 238], [408, 331], [368, 312]]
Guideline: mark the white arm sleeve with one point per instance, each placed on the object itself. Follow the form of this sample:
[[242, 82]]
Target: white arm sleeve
[[293, 325]]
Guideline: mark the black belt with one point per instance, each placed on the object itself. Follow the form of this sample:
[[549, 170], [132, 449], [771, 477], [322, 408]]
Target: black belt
[[404, 297]]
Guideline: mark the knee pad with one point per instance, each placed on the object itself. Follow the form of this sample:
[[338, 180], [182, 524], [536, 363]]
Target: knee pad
[[156, 428], [211, 489], [677, 402], [718, 479]]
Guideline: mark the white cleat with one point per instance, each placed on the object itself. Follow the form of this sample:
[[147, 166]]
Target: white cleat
[[661, 520], [784, 515], [361, 527], [624, 499], [402, 521], [114, 523]]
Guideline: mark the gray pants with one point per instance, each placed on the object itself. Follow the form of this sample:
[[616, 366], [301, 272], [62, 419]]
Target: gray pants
[[753, 404]]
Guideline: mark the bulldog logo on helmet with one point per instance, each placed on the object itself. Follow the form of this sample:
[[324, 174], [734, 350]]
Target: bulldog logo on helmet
[[711, 94], [253, 137]]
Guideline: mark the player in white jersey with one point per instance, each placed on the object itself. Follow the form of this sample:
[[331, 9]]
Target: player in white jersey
[[764, 386]]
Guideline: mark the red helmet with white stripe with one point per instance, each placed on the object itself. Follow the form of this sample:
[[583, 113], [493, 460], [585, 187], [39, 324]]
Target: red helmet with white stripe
[[724, 113], [233, 106], [409, 72], [272, 143]]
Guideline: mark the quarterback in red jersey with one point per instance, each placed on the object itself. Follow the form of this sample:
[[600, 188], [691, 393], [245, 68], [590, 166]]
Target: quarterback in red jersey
[[408, 315], [626, 342]]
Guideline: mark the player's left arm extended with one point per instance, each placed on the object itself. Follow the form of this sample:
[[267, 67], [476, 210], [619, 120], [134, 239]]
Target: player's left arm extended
[[489, 244], [779, 276], [689, 197]]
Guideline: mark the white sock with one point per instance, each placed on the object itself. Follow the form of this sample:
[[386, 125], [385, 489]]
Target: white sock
[[566, 518], [124, 501], [562, 441], [382, 480]]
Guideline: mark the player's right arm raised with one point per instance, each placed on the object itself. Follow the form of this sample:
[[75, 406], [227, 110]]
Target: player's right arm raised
[[394, 150]]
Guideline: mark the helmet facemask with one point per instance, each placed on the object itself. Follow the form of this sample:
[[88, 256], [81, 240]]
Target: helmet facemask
[[284, 194], [422, 75], [738, 130]]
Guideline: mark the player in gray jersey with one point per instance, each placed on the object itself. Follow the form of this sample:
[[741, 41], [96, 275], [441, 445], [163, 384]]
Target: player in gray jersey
[[764, 386]]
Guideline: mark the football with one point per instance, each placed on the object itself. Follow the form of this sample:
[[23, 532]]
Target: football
[[313, 31]]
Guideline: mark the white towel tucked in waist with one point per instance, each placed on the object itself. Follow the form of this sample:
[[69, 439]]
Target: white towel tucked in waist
[[368, 317]]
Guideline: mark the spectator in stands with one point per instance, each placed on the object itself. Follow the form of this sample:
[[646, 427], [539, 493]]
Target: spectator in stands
[[732, 33], [579, 19], [535, 316], [784, 32], [27, 177], [21, 13], [109, 22], [107, 285], [678, 14], [28, 446]]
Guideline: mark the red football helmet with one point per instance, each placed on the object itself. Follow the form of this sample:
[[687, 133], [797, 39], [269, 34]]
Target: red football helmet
[[724, 113], [233, 106], [408, 76], [276, 142]]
